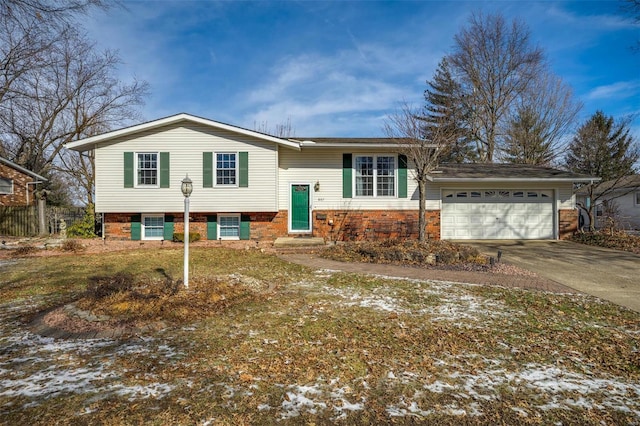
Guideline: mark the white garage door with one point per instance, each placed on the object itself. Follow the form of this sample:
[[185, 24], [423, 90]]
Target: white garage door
[[497, 214]]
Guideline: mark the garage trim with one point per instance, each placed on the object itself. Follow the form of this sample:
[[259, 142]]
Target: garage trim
[[469, 213]]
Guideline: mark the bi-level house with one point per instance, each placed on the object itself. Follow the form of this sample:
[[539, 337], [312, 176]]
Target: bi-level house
[[249, 185]]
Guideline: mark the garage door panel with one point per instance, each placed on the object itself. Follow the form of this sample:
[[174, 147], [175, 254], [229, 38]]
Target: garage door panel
[[514, 217]]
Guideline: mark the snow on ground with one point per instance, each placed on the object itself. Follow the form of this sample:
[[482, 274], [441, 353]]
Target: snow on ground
[[37, 368]]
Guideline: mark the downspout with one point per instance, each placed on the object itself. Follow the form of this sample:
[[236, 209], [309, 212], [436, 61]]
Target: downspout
[[35, 182]]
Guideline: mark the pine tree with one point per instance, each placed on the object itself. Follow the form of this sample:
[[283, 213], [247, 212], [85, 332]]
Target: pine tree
[[603, 147], [444, 107], [525, 141]]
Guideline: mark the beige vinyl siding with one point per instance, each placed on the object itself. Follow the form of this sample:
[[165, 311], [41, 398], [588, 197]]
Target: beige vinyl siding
[[324, 165], [566, 197], [186, 143]]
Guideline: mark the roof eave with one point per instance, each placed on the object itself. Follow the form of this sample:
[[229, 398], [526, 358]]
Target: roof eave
[[493, 179], [23, 170]]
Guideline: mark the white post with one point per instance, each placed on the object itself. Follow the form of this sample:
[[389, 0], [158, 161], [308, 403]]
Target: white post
[[186, 242]]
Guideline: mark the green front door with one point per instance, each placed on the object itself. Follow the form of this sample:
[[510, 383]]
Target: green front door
[[300, 208]]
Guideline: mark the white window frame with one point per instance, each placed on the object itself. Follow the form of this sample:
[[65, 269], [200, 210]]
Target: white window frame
[[137, 177], [215, 170], [11, 189], [637, 198], [143, 228], [375, 176], [219, 224]]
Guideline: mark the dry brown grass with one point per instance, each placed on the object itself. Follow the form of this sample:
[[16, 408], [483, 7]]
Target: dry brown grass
[[139, 300]]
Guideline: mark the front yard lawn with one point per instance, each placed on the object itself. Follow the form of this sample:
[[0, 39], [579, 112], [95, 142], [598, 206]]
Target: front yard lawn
[[296, 346]]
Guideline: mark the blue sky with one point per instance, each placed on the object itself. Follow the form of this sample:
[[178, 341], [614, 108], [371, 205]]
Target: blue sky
[[339, 68]]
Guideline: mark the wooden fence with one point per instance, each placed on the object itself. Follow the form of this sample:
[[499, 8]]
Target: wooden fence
[[23, 221]]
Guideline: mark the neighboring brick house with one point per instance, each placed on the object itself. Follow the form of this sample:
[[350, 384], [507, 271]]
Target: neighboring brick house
[[17, 184], [249, 185]]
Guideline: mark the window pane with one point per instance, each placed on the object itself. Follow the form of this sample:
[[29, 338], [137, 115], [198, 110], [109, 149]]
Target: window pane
[[638, 197], [229, 226], [364, 176], [147, 169], [386, 181], [153, 226], [5, 186], [226, 169]]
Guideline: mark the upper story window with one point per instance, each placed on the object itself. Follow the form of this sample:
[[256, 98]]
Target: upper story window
[[375, 175], [6, 186], [226, 168], [147, 166]]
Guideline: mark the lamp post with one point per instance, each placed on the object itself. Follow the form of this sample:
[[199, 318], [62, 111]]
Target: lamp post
[[186, 188]]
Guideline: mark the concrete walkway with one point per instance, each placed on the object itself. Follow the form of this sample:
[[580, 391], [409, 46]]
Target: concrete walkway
[[486, 278], [612, 275]]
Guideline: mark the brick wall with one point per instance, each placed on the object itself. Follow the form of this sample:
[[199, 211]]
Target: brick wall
[[346, 224], [567, 223], [20, 180]]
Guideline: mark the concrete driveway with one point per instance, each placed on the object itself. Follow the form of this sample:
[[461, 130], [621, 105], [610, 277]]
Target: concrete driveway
[[609, 274]]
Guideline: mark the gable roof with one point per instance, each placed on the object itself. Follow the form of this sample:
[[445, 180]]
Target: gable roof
[[22, 169], [88, 143], [473, 172]]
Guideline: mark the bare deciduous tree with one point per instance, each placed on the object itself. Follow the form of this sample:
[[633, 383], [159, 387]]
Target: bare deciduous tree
[[282, 130], [495, 63], [73, 94], [423, 142]]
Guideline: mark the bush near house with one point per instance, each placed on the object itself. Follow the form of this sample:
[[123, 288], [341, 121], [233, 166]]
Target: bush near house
[[617, 240], [411, 252], [178, 237]]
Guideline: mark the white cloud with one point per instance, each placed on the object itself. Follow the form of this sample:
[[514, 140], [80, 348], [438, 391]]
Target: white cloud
[[618, 90]]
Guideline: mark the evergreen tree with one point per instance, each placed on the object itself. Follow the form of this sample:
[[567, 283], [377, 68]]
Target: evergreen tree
[[603, 147], [525, 141], [444, 107]]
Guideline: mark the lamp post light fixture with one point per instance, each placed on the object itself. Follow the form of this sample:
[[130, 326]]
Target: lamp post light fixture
[[187, 189]]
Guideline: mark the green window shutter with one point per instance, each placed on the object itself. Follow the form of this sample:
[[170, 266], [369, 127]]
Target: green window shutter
[[128, 169], [164, 170], [207, 169], [136, 228], [402, 176], [245, 229], [168, 227], [347, 175], [244, 169], [212, 227]]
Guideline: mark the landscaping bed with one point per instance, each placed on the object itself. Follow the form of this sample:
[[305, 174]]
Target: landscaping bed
[[617, 240]]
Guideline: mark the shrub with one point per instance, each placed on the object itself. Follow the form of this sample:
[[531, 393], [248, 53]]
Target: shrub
[[84, 228], [178, 237], [72, 245], [24, 251], [104, 286]]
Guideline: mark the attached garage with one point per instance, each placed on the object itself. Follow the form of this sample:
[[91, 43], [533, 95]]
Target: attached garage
[[497, 214], [503, 201]]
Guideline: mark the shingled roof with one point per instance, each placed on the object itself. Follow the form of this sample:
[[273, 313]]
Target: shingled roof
[[504, 172]]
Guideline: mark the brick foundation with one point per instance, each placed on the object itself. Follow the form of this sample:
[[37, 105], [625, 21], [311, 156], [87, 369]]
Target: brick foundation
[[332, 225], [354, 225], [567, 223]]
